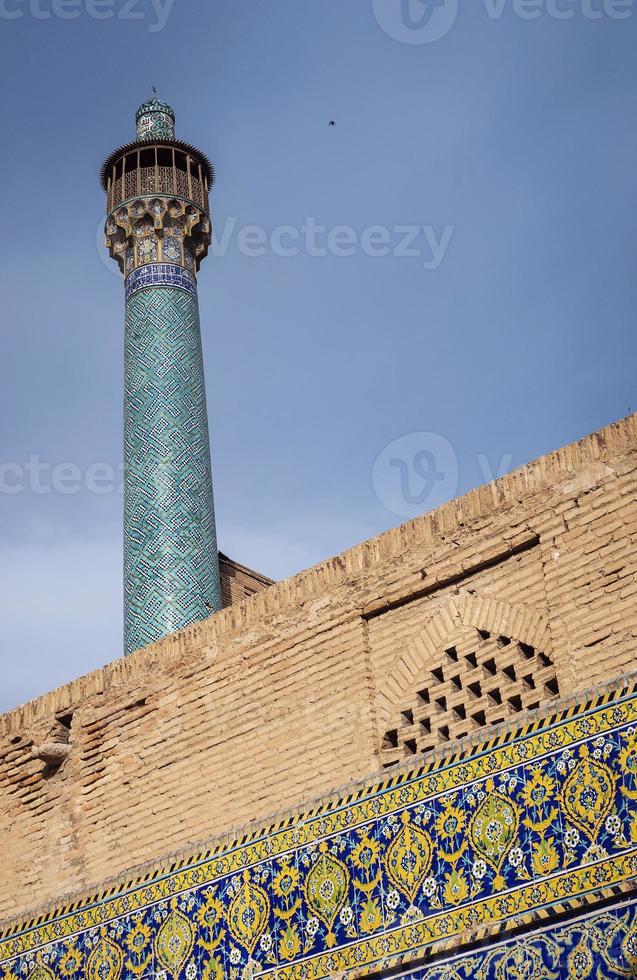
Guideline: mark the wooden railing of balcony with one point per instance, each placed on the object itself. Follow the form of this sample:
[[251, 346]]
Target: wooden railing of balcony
[[185, 178]]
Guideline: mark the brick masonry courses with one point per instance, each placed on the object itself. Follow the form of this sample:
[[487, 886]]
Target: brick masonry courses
[[286, 694]]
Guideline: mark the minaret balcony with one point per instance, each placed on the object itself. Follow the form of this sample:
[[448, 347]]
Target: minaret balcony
[[161, 170]]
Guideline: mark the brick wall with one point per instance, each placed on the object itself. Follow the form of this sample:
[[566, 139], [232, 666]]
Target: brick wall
[[293, 691], [238, 582]]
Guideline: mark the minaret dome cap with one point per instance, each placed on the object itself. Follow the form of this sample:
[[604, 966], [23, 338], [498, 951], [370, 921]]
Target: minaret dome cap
[[155, 120]]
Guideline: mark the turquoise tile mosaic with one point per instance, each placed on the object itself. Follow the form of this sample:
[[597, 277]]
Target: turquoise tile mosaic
[[534, 825], [158, 233], [171, 569]]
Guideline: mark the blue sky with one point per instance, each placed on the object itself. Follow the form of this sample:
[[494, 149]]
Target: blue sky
[[511, 140]]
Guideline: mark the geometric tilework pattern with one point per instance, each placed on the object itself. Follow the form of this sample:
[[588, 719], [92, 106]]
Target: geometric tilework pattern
[[171, 569], [481, 846]]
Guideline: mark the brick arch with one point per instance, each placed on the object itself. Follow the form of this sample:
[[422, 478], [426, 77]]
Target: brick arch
[[519, 623]]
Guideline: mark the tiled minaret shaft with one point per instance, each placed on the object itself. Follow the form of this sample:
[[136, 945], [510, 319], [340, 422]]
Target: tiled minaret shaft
[[158, 230]]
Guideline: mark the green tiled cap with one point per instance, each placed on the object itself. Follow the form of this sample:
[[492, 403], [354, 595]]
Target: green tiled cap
[[155, 120]]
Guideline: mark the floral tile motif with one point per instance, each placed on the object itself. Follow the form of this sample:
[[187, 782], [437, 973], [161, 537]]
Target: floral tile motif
[[492, 839], [367, 903], [599, 946], [286, 937]]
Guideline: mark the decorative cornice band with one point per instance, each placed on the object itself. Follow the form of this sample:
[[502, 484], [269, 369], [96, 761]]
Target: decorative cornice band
[[400, 845], [160, 274]]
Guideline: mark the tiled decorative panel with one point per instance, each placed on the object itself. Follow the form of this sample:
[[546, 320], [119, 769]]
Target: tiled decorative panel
[[160, 274], [157, 229], [155, 121], [171, 567], [536, 824], [599, 946]]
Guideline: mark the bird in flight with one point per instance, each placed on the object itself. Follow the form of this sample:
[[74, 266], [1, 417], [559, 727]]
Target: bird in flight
[[332, 123]]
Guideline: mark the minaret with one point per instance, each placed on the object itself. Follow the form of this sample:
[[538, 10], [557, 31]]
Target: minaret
[[158, 231]]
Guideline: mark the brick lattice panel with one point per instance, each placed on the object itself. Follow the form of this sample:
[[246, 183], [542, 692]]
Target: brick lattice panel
[[479, 680]]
